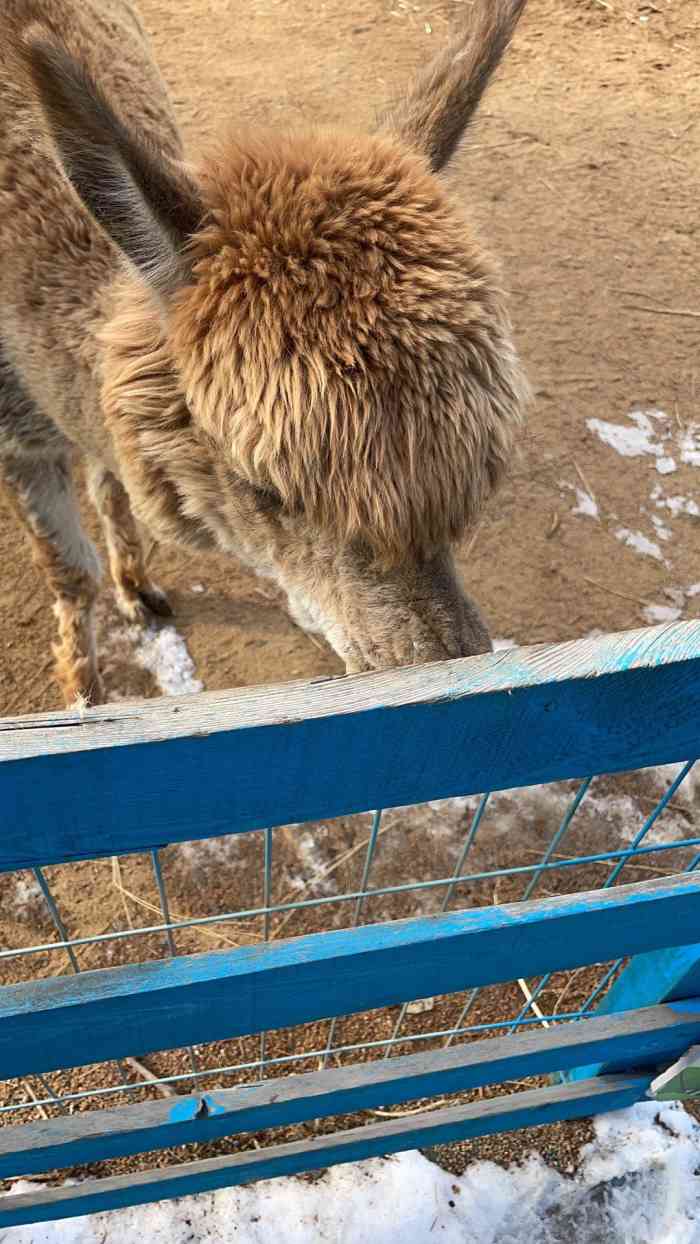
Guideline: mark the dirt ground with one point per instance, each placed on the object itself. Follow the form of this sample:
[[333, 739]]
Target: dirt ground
[[583, 175]]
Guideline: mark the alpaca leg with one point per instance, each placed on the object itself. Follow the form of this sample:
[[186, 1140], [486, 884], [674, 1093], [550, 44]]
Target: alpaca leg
[[137, 596], [41, 493]]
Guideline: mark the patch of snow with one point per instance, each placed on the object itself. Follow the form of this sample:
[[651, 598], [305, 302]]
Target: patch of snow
[[313, 863], [202, 851], [656, 614], [198, 587], [163, 652], [693, 590], [586, 504], [455, 803], [515, 813], [676, 505], [639, 542], [26, 894], [625, 814], [646, 434], [620, 810], [662, 531], [510, 812], [159, 649], [690, 445], [500, 645], [664, 775], [636, 1184]]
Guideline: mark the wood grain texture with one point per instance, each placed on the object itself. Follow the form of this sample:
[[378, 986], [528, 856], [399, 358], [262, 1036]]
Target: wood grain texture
[[645, 1039], [68, 1021], [500, 1114], [174, 770]]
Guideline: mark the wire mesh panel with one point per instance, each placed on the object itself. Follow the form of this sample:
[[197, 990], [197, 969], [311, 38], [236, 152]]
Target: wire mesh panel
[[246, 894]]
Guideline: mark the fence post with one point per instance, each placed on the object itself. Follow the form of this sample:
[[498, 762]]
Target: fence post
[[657, 976]]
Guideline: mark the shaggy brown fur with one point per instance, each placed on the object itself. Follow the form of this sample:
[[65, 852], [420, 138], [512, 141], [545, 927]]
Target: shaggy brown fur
[[297, 353]]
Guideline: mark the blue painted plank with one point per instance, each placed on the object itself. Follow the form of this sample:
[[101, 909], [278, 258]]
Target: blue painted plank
[[483, 1118], [99, 1015], [174, 770], [666, 975], [649, 1039]]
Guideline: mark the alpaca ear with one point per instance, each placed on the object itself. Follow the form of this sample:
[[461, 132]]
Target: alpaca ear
[[442, 101], [143, 200]]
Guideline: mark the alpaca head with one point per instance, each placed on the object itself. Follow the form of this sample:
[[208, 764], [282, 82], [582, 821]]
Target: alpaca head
[[341, 340]]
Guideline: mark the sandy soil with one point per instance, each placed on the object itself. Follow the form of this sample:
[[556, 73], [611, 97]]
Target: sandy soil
[[583, 175]]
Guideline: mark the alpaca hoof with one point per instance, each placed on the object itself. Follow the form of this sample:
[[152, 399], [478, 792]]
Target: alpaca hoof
[[155, 601], [141, 604]]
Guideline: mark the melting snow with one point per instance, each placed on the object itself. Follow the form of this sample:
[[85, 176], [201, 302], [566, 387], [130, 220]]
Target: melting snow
[[586, 504], [645, 436], [637, 1184], [648, 432], [690, 445], [163, 652], [676, 505], [313, 863], [662, 531], [688, 792], [639, 542], [656, 614], [26, 894]]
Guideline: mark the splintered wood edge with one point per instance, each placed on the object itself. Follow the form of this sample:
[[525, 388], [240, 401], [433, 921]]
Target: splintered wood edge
[[214, 712]]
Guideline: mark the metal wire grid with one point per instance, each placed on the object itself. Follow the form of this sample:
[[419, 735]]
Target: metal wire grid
[[56, 1100]]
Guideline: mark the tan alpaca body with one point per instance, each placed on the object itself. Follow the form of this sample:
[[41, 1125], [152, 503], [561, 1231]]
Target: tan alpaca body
[[296, 353]]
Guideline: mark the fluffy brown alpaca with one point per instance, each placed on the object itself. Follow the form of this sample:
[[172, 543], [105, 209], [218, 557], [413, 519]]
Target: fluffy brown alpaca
[[295, 352]]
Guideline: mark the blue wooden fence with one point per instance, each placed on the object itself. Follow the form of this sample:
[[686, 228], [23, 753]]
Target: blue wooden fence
[[133, 778]]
